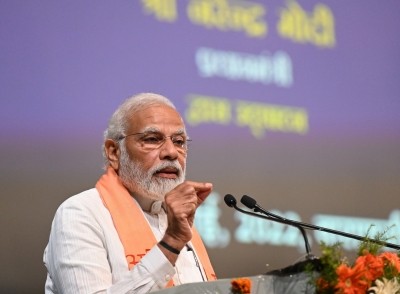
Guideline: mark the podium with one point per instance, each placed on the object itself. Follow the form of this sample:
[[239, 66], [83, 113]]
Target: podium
[[262, 284]]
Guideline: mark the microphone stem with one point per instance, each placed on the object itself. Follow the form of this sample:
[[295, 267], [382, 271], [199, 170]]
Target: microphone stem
[[302, 230], [307, 244], [326, 230]]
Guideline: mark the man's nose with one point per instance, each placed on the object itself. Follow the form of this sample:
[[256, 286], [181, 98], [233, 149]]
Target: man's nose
[[168, 150]]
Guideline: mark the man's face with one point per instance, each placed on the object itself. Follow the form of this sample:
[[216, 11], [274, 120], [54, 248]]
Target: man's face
[[152, 172]]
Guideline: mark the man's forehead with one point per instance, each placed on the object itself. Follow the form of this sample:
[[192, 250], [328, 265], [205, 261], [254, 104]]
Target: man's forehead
[[157, 118]]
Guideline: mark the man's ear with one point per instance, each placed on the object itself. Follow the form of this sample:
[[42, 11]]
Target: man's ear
[[112, 151]]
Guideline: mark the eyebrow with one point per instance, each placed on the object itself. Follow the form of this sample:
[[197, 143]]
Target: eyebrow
[[181, 131]]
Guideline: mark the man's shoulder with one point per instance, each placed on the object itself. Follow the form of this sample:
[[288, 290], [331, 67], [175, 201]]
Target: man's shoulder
[[87, 199], [82, 207]]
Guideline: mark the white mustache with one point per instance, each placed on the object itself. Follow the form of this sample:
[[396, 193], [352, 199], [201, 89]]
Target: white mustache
[[166, 164]]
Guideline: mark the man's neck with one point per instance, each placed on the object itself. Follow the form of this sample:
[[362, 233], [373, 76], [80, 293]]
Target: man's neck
[[148, 204]]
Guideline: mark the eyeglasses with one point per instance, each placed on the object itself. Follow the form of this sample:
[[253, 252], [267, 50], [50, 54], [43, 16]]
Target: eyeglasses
[[154, 140]]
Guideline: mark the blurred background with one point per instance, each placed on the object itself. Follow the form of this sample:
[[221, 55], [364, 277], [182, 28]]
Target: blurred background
[[295, 103]]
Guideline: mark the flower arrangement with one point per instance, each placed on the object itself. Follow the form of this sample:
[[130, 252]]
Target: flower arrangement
[[241, 286], [372, 271]]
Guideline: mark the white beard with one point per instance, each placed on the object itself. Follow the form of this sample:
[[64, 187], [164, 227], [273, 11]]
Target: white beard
[[137, 180]]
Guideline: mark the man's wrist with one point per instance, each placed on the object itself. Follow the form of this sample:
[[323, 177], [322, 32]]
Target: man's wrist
[[169, 247]]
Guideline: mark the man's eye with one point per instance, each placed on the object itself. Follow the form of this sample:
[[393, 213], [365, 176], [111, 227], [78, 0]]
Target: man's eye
[[179, 141], [152, 139]]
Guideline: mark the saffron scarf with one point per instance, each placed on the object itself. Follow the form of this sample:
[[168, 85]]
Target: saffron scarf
[[132, 227]]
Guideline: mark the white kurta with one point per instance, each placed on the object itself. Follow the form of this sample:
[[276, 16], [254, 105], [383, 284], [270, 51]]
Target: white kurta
[[85, 254]]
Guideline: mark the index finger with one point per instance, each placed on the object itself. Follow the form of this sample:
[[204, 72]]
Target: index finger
[[202, 189]]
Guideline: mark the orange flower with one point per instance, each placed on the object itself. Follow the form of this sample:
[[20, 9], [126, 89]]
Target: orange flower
[[392, 258], [373, 266], [351, 280], [241, 285], [371, 270]]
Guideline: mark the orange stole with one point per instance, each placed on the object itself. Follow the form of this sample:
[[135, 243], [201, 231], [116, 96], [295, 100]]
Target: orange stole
[[132, 227]]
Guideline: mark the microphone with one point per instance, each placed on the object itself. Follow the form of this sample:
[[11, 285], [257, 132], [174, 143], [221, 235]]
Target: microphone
[[252, 204], [246, 200], [230, 200]]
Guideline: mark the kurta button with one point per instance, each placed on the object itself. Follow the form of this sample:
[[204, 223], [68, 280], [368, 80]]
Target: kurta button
[[167, 277], [156, 207]]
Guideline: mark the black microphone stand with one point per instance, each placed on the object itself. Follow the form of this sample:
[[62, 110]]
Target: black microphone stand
[[252, 204], [310, 262], [231, 202]]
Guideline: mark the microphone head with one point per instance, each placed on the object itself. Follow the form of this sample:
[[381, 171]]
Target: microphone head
[[248, 202], [230, 200]]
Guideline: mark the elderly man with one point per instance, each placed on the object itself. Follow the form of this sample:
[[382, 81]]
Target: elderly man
[[134, 231]]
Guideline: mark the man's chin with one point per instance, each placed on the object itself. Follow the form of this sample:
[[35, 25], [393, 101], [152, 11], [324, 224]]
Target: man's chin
[[160, 187], [165, 178]]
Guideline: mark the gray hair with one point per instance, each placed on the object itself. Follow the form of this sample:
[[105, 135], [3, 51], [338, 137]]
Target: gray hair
[[118, 123]]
